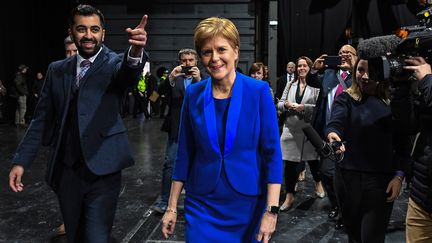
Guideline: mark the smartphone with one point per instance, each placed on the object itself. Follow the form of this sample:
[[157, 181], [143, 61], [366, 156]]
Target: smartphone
[[186, 69], [333, 61]]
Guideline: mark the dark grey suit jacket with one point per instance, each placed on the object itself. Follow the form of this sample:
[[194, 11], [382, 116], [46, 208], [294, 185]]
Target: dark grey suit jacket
[[102, 133]]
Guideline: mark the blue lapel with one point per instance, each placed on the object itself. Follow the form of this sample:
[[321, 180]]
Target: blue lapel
[[210, 116], [233, 115]]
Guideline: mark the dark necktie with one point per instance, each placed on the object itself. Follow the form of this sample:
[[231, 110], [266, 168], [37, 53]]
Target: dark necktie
[[85, 65]]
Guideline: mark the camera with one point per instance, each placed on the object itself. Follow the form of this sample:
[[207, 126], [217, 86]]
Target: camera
[[415, 41], [186, 70], [333, 61]]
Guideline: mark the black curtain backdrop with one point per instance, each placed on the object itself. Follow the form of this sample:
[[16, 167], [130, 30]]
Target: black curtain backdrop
[[314, 27], [32, 33]]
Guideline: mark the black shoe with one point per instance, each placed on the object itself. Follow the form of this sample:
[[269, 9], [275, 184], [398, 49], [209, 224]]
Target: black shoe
[[339, 224], [333, 213]]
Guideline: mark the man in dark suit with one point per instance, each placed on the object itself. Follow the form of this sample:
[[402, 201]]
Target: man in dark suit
[[280, 87], [77, 116], [176, 88], [282, 80], [331, 81]]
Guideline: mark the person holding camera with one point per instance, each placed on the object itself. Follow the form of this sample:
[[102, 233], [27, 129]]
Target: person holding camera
[[370, 171], [419, 213], [331, 79], [179, 79]]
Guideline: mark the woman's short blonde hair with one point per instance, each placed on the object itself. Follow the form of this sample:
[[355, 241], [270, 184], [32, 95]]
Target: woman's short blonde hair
[[216, 26]]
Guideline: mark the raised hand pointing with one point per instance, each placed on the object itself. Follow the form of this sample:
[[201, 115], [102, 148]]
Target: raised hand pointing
[[138, 37]]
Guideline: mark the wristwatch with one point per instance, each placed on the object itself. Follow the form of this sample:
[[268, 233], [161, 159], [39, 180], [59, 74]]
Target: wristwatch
[[273, 209]]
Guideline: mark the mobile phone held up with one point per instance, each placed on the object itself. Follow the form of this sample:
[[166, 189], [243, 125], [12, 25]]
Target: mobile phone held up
[[332, 61], [186, 70]]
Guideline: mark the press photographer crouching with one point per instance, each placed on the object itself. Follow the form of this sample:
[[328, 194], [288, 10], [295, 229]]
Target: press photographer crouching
[[375, 157]]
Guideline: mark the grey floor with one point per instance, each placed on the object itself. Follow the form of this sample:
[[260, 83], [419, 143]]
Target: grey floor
[[32, 215]]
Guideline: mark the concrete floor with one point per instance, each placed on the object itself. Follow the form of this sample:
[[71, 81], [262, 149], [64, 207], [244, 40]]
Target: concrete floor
[[31, 216]]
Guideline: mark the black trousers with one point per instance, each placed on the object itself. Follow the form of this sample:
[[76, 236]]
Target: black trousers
[[293, 170], [366, 213], [88, 203], [327, 169]]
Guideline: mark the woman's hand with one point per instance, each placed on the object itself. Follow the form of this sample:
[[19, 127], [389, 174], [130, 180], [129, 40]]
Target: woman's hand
[[298, 107], [394, 188], [267, 227], [168, 222], [332, 137]]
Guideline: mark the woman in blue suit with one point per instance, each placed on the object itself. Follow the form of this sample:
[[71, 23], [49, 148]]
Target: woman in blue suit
[[229, 159]]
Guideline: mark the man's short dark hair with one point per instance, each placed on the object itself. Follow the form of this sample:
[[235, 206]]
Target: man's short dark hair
[[85, 10]]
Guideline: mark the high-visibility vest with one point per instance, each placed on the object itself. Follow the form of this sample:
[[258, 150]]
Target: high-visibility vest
[[142, 84]]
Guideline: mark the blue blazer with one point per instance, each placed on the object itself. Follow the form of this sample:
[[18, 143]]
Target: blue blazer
[[103, 136], [252, 156]]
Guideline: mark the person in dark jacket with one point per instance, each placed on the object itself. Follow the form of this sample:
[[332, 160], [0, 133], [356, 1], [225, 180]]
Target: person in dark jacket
[[329, 81], [419, 213], [77, 116], [178, 81], [21, 89], [372, 168]]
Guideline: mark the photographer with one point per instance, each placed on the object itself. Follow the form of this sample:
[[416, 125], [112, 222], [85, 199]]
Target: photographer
[[370, 171], [419, 213], [183, 75], [331, 80]]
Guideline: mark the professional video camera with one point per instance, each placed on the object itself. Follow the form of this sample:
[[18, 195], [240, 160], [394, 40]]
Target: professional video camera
[[408, 42]]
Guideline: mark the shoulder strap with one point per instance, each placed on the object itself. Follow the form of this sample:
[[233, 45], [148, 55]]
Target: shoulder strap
[[341, 81]]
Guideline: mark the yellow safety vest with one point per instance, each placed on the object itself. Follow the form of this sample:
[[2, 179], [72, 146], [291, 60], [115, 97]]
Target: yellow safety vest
[[141, 84]]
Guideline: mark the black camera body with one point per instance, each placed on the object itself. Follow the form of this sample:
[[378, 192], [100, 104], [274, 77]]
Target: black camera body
[[418, 42], [333, 61], [186, 70]]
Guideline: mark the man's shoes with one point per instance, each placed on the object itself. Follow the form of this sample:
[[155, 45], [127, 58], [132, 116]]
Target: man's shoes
[[333, 213], [339, 224]]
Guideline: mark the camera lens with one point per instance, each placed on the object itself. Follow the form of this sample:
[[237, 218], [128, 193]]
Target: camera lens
[[396, 66]]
